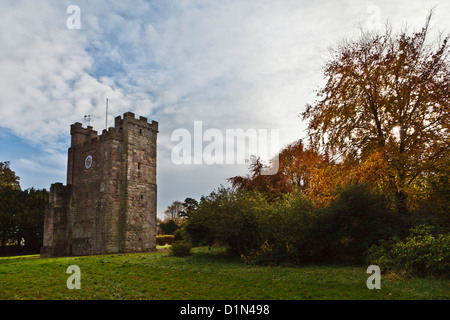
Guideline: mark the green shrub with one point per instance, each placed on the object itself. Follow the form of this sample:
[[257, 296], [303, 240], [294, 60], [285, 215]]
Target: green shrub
[[228, 216], [289, 230], [420, 253], [181, 248], [433, 201], [181, 234], [282, 228], [382, 255], [182, 244], [423, 253], [350, 225], [164, 239], [264, 255], [168, 226]]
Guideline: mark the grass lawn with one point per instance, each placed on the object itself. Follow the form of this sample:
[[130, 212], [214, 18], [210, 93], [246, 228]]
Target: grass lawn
[[205, 275]]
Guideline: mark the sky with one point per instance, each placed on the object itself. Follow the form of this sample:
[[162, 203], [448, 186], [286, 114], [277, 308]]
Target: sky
[[226, 65]]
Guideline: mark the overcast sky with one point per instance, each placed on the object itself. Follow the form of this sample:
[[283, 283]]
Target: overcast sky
[[232, 64]]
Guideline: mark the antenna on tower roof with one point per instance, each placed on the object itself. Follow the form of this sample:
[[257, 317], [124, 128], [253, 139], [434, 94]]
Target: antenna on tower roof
[[106, 120], [88, 118]]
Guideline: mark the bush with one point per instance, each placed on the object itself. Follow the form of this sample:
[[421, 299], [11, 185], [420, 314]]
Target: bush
[[259, 231], [181, 234], [289, 230], [264, 255], [432, 203], [181, 248], [350, 225], [165, 239], [228, 216], [168, 226], [282, 228], [182, 244], [421, 253]]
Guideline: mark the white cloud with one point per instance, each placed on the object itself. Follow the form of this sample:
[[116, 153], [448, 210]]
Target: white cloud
[[45, 78], [231, 64]]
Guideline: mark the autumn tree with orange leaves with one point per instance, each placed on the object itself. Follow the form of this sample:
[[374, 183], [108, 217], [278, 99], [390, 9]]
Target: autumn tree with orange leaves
[[386, 95], [376, 163], [296, 166]]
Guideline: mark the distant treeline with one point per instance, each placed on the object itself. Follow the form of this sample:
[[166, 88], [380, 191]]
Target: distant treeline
[[21, 214]]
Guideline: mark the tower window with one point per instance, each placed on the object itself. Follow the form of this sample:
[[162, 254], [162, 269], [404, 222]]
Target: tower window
[[139, 170]]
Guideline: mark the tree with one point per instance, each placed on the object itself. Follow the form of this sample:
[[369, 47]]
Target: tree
[[227, 216], [350, 224], [30, 220], [173, 212], [297, 164], [189, 206], [21, 212], [168, 226], [10, 207], [390, 94], [273, 186], [300, 168], [8, 177], [9, 203]]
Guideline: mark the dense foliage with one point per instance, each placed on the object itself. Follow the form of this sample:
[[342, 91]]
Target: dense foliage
[[164, 239], [373, 183], [21, 214], [182, 244], [422, 252], [387, 94], [353, 228]]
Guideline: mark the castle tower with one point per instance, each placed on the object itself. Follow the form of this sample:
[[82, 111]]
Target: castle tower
[[109, 202]]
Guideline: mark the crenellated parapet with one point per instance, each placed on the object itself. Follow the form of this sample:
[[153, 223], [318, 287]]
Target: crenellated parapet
[[83, 136], [129, 118]]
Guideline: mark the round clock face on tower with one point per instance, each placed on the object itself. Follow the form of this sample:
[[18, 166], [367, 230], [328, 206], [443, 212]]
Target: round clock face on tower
[[88, 162]]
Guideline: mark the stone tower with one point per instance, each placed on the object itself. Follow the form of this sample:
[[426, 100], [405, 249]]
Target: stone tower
[[109, 202]]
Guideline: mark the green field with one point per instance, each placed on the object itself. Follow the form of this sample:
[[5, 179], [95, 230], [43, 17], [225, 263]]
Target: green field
[[207, 274]]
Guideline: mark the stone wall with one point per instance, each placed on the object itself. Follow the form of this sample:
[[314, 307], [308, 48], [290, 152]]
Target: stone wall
[[57, 222], [140, 159]]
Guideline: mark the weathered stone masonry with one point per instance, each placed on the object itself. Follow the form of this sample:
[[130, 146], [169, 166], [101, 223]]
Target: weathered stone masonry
[[109, 202]]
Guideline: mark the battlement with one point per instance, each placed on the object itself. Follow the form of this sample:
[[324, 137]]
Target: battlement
[[130, 118], [83, 136]]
